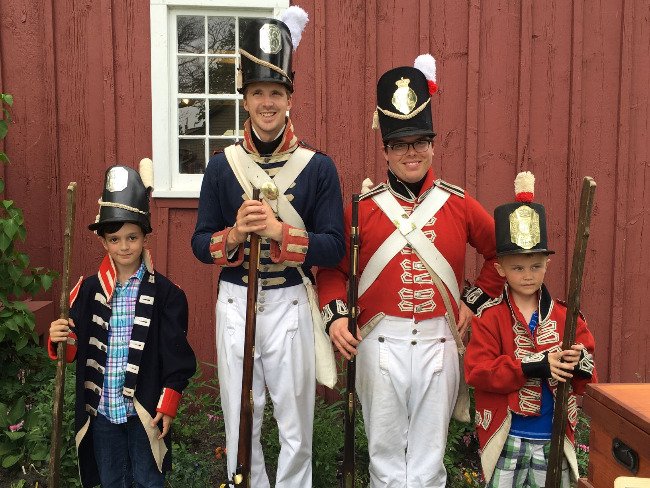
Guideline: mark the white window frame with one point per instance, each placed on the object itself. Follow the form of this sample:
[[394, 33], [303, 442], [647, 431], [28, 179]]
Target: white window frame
[[168, 182]]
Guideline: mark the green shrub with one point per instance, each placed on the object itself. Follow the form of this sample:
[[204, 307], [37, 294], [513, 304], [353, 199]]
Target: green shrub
[[26, 371], [582, 443]]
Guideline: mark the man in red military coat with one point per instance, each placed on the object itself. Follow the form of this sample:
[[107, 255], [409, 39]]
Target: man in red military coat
[[413, 231]]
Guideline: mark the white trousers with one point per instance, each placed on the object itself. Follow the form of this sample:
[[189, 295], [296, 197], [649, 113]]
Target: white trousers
[[284, 361], [407, 382]]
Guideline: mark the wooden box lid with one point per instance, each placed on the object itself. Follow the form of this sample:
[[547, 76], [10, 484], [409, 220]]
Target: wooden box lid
[[631, 401]]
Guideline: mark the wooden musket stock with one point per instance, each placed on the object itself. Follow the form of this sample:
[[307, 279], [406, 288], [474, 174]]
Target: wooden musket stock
[[244, 449], [348, 468], [556, 454], [64, 307]]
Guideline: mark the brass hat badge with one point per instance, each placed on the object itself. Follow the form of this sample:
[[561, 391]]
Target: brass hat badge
[[524, 227], [404, 99]]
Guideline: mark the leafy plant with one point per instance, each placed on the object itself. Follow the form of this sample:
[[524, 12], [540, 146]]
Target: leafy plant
[[582, 433], [24, 364], [198, 451]]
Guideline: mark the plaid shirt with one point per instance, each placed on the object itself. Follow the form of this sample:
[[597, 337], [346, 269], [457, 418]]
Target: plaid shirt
[[113, 404]]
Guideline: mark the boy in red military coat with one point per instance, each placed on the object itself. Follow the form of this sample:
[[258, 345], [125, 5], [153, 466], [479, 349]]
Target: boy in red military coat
[[515, 360]]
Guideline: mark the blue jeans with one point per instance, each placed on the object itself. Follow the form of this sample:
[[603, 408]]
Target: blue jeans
[[123, 455]]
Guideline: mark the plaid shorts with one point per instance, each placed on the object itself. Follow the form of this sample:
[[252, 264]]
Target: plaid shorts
[[523, 463]]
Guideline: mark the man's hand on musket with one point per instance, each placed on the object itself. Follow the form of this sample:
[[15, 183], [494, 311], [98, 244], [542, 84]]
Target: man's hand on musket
[[254, 216], [342, 339], [464, 319]]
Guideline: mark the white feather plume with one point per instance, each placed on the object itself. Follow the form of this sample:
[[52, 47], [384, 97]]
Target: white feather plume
[[146, 172], [427, 64], [525, 183], [296, 19]]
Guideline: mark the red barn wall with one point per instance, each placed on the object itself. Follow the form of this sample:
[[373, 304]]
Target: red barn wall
[[559, 88]]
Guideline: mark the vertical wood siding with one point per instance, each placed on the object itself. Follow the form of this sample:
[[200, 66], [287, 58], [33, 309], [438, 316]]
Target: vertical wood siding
[[557, 87]]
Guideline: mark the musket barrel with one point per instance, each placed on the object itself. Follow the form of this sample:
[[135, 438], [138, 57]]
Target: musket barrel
[[556, 453], [244, 449], [348, 469], [64, 307]]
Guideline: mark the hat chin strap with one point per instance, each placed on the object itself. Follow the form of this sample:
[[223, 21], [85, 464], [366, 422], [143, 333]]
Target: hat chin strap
[[102, 203]]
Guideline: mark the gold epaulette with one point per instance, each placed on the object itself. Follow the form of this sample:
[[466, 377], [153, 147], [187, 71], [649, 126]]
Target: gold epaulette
[[373, 191], [456, 190]]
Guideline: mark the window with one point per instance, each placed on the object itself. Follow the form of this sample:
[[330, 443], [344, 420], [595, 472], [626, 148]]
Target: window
[[196, 108]]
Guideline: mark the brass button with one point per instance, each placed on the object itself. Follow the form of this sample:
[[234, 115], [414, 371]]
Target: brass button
[[261, 300], [413, 343], [261, 309], [264, 282], [295, 302], [415, 331], [381, 339]]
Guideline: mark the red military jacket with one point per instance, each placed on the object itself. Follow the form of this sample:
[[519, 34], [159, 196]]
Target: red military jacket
[[500, 340], [404, 287]]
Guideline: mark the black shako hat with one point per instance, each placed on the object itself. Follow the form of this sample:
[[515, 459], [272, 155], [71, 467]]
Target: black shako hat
[[266, 51], [404, 101], [520, 226], [126, 197]]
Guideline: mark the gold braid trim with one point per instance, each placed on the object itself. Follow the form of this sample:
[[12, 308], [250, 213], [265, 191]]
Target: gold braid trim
[[120, 205], [264, 63], [402, 116]]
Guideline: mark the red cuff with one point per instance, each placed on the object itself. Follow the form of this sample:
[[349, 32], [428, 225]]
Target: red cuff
[[168, 403], [70, 350], [219, 252], [293, 249]]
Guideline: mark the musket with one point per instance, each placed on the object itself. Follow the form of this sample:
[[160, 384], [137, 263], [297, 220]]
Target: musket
[[560, 412], [347, 471], [242, 475], [64, 307]]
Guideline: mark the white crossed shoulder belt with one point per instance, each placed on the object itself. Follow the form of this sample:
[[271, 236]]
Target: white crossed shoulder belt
[[250, 175], [408, 230]]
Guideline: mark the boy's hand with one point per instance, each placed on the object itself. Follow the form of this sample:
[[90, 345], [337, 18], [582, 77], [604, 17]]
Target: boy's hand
[[167, 423], [342, 339], [60, 330], [563, 362]]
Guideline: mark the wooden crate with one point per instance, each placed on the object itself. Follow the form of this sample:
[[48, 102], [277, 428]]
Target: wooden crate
[[617, 411]]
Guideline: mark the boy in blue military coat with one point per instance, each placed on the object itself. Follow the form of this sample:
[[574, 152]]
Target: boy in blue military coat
[[127, 332]]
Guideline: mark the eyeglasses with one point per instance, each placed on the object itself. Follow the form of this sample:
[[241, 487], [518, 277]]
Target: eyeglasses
[[401, 148]]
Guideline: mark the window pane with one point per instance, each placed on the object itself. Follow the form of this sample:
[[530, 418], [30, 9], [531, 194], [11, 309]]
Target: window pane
[[191, 117], [191, 37], [217, 145], [191, 156], [221, 35], [191, 74], [222, 117], [222, 75]]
